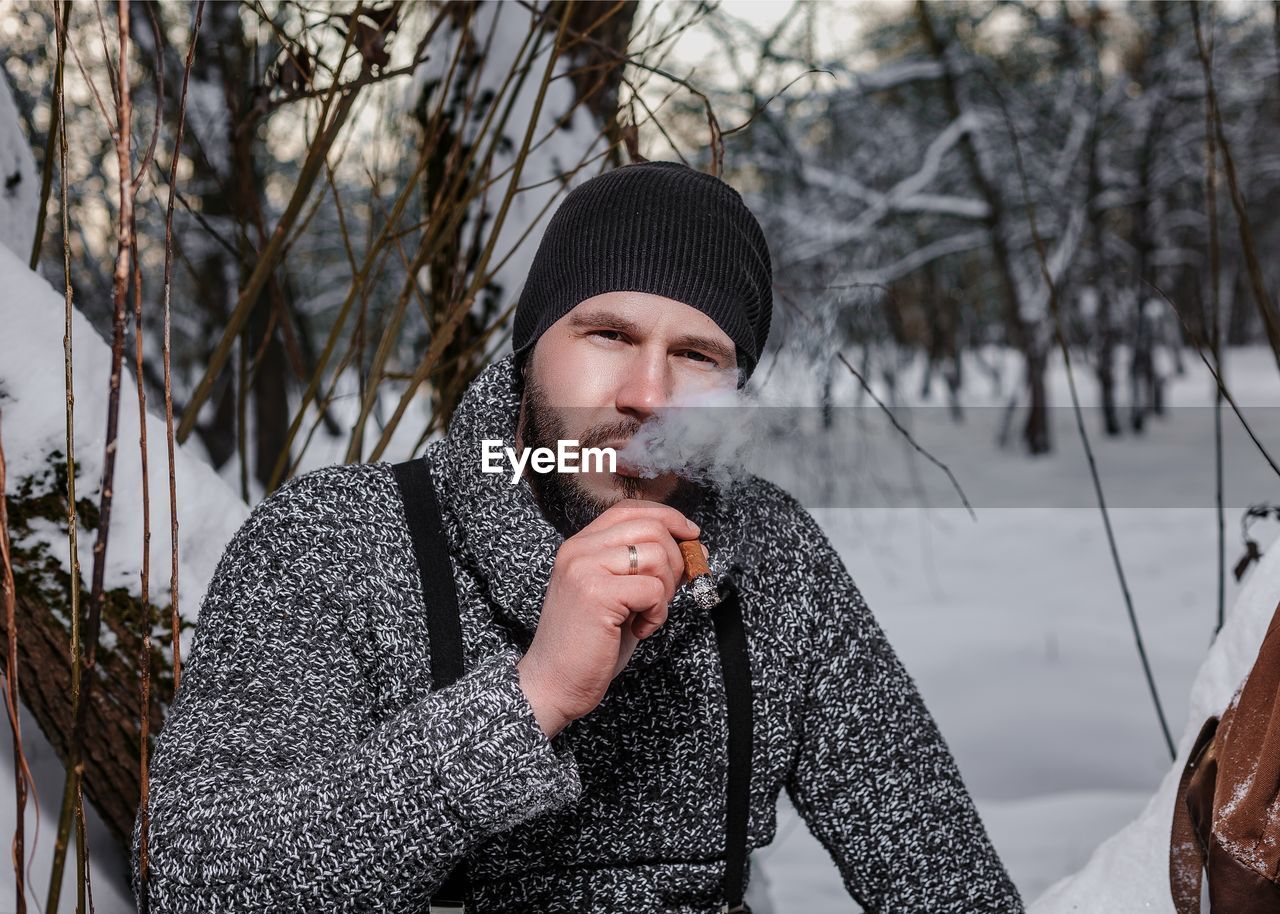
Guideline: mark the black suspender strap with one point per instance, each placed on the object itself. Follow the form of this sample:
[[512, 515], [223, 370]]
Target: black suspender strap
[[444, 628], [731, 639], [427, 531]]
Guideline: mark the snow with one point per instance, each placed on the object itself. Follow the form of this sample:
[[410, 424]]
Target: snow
[[108, 876], [907, 195], [19, 181], [1014, 630]]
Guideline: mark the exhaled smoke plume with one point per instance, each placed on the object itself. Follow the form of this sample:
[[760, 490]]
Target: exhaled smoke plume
[[703, 435]]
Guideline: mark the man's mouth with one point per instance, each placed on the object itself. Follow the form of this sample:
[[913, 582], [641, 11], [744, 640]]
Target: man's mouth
[[625, 469]]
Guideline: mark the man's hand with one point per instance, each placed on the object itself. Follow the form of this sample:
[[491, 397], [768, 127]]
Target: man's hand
[[595, 612]]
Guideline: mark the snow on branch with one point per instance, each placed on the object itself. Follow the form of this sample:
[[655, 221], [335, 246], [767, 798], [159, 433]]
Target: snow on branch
[[908, 195]]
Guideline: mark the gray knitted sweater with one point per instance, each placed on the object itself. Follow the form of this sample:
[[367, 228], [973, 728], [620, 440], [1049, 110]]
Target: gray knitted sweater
[[306, 764]]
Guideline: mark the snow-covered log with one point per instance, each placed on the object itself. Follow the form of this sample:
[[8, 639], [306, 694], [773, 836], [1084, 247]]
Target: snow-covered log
[[33, 430]]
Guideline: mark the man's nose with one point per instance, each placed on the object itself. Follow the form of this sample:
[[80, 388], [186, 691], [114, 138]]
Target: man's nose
[[645, 387]]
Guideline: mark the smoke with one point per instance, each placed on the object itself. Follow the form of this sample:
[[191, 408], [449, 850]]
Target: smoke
[[703, 434]]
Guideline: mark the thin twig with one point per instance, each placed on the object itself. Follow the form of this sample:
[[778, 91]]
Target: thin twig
[[144, 659], [62, 15], [267, 261], [763, 106], [175, 619], [106, 52], [149, 155], [1060, 336], [121, 135], [1217, 377], [439, 229], [12, 698], [93, 87], [463, 303], [1215, 298], [715, 141]]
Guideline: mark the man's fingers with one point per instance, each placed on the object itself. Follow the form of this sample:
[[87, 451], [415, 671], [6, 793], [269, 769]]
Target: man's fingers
[[639, 593], [611, 543], [653, 559], [646, 623], [629, 508]]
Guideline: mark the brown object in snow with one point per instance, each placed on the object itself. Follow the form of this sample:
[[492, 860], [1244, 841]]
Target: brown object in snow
[[1226, 816]]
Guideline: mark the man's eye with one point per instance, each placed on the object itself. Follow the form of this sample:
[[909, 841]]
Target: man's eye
[[698, 356], [607, 334]]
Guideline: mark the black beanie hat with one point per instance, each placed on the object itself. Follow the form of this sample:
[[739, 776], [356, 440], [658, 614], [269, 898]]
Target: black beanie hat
[[657, 227]]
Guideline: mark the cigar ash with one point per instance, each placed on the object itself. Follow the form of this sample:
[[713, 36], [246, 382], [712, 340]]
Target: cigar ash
[[702, 584]]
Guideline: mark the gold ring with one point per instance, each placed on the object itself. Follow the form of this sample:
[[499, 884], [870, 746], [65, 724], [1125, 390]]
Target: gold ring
[[634, 553]]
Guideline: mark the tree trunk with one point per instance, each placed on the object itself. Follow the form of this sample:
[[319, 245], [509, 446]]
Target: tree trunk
[[1035, 432]]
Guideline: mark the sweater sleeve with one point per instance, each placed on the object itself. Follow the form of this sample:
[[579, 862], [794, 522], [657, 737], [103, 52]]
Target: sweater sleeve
[[873, 778], [273, 788]]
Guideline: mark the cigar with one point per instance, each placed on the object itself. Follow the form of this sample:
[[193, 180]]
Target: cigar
[[703, 585]]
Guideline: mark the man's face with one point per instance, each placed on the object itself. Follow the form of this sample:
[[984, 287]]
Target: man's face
[[600, 372]]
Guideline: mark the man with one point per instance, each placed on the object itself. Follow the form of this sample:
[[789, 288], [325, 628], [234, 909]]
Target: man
[[580, 762]]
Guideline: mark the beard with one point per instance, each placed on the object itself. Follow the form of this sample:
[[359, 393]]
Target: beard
[[564, 500]]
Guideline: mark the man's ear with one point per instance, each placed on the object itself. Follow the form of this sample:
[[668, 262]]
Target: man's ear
[[525, 365]]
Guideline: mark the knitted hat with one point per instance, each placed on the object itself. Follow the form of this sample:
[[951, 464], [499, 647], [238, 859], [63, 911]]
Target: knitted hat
[[657, 227]]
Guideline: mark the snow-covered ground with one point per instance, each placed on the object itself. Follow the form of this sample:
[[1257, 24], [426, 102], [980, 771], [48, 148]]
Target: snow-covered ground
[[1012, 625], [1015, 631]]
